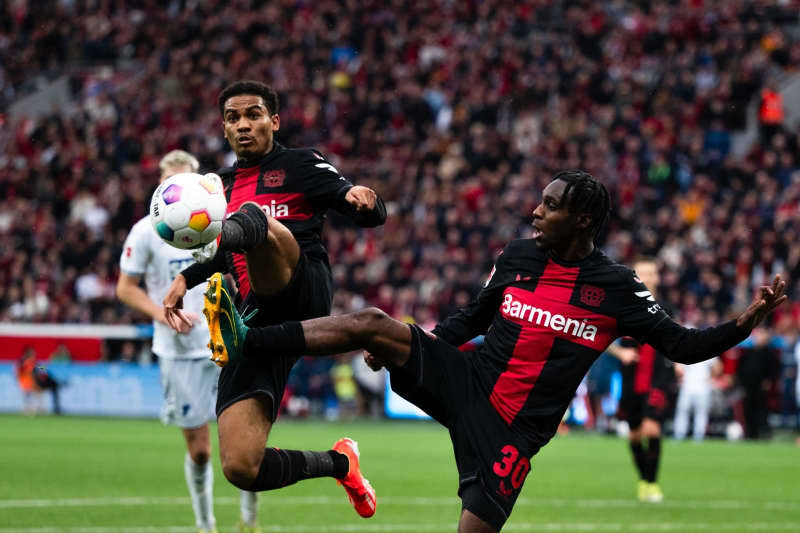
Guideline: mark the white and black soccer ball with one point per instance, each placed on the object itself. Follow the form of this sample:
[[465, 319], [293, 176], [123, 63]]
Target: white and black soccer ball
[[187, 209]]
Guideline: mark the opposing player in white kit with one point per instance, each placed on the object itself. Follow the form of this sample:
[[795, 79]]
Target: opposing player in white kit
[[188, 377], [695, 397]]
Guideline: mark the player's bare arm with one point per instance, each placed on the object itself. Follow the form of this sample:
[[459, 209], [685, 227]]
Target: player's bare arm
[[130, 293]]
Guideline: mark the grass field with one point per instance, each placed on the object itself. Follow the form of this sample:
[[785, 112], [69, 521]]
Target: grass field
[[108, 475]]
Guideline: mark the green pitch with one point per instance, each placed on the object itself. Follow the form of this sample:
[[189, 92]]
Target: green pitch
[[81, 475]]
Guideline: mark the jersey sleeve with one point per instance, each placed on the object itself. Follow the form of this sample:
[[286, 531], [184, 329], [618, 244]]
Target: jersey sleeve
[[475, 319], [136, 251], [322, 181], [643, 318], [639, 311], [327, 188]]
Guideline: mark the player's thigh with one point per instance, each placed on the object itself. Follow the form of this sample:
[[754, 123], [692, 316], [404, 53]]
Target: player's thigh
[[493, 462], [243, 430], [270, 265], [471, 523], [308, 294]]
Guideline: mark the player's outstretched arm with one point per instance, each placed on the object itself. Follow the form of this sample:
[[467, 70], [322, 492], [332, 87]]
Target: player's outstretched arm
[[765, 302], [687, 345], [129, 293]]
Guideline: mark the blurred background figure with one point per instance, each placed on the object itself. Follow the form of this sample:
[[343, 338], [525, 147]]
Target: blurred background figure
[[756, 372], [694, 398], [46, 382], [26, 378]]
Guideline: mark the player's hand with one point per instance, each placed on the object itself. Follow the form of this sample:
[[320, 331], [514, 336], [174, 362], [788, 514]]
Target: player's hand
[[373, 362], [627, 355], [194, 318], [215, 178], [173, 305], [362, 198], [766, 300]]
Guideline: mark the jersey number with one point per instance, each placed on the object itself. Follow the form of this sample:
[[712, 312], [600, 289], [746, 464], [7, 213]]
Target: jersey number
[[510, 465]]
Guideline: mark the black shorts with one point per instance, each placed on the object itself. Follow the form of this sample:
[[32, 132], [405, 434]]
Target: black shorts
[[492, 460], [634, 407], [308, 295]]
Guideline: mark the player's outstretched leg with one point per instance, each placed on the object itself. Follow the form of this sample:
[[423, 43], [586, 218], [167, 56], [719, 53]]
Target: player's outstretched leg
[[369, 329], [359, 491], [225, 326]]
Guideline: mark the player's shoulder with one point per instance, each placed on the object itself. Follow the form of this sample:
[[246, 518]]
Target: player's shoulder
[[521, 247], [302, 155], [612, 272], [520, 255], [143, 228]]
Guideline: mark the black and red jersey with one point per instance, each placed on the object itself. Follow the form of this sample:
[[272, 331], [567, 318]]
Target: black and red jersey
[[296, 186], [651, 370], [546, 321]]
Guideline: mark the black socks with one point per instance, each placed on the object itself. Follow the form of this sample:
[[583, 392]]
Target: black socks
[[283, 339], [653, 455], [639, 458], [280, 468], [647, 460], [244, 229]]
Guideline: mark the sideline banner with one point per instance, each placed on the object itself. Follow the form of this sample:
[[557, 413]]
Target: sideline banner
[[96, 389]]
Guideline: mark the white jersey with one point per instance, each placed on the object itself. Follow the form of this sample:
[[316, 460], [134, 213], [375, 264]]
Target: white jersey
[[697, 377], [145, 254]]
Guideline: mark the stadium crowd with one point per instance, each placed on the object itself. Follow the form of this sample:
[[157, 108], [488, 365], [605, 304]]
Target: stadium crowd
[[457, 112]]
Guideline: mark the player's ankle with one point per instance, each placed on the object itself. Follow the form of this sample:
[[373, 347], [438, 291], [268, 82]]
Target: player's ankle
[[244, 229]]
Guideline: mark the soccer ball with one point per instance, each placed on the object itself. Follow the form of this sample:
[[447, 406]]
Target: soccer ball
[[187, 209]]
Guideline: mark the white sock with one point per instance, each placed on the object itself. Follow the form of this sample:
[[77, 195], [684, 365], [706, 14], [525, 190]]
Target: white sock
[[249, 507], [200, 480]]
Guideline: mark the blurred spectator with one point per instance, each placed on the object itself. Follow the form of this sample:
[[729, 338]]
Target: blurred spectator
[[771, 112], [344, 385], [26, 378], [756, 369], [46, 381], [371, 388]]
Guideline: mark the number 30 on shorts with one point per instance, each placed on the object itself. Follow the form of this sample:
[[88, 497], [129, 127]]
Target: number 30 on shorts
[[511, 464]]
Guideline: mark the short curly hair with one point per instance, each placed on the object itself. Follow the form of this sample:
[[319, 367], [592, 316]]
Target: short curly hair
[[257, 88]]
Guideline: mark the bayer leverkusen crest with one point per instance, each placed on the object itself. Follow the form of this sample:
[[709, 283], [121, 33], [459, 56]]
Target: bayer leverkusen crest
[[273, 178], [591, 295]]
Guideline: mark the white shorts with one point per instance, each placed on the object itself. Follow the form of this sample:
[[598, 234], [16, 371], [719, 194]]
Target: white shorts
[[190, 391]]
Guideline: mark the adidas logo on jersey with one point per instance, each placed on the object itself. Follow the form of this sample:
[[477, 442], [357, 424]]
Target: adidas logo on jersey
[[276, 210], [541, 317]]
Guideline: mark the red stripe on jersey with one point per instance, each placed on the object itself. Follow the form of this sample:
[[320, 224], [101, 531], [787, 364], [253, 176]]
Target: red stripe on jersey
[[244, 190], [544, 314], [644, 369], [286, 206]]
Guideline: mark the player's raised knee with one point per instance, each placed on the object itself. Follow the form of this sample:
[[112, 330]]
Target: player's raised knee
[[241, 474]]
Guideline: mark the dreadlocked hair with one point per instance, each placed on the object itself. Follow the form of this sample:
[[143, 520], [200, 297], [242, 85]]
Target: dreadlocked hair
[[584, 194]]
